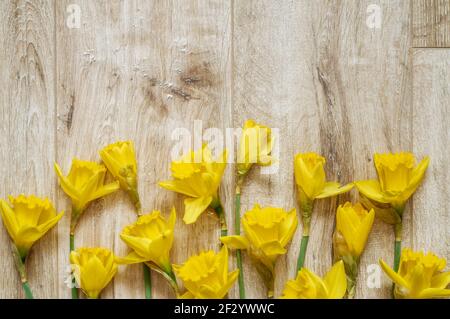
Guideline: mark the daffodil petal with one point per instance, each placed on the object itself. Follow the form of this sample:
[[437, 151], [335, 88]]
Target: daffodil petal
[[336, 281], [105, 190], [66, 185], [235, 242], [43, 228], [273, 248], [434, 293], [441, 280], [417, 177], [371, 189], [194, 207], [333, 189], [288, 227], [172, 218], [364, 232], [9, 219], [179, 187], [131, 258], [396, 278]]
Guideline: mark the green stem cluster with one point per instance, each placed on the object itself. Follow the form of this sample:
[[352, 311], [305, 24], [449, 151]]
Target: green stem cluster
[[237, 230]]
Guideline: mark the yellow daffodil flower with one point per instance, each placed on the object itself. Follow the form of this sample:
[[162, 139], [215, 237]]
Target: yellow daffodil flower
[[93, 269], [267, 232], [311, 184], [308, 285], [206, 276], [151, 238], [311, 181], [27, 219], [419, 276], [353, 226], [398, 179], [198, 176], [83, 184], [255, 146], [120, 159]]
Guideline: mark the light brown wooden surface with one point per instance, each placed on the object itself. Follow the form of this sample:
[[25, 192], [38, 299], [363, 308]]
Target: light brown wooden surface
[[139, 69], [431, 23]]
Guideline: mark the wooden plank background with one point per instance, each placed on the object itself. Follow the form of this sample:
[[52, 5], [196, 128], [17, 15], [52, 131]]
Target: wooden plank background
[[313, 69]]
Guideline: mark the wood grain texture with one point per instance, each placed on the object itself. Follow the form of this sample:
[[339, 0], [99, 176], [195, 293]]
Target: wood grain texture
[[331, 85], [27, 87], [431, 23], [431, 118], [138, 70], [124, 75]]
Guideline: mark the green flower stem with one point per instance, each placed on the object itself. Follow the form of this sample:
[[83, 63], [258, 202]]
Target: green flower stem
[[21, 269], [168, 274], [397, 245], [72, 248], [351, 264], [302, 254], [307, 208], [134, 195], [27, 290], [147, 282], [217, 206], [237, 230]]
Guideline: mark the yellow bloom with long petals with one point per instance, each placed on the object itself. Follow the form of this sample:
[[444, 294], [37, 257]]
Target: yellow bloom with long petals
[[27, 219], [308, 285], [267, 232], [198, 176], [151, 238], [419, 276], [311, 180], [255, 146], [206, 276], [353, 226], [398, 179], [84, 183], [93, 269], [120, 159]]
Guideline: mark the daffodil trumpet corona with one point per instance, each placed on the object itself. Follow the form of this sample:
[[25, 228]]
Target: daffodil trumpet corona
[[307, 285], [27, 219], [398, 179], [267, 231], [206, 276], [84, 184], [311, 185], [120, 159], [151, 239], [420, 276], [353, 226], [255, 147], [198, 176], [93, 269]]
